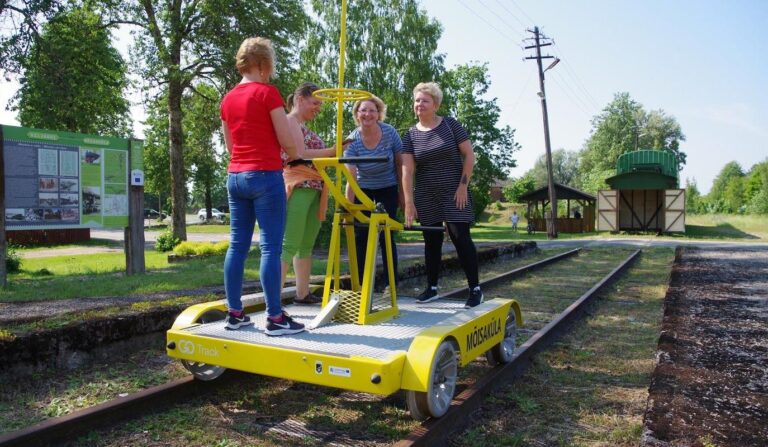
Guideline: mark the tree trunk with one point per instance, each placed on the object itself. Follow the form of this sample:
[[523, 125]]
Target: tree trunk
[[178, 182], [208, 199]]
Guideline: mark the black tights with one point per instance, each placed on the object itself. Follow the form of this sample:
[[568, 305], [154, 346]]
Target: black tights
[[465, 249]]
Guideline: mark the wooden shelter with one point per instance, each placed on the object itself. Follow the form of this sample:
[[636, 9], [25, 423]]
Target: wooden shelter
[[577, 219], [644, 194]]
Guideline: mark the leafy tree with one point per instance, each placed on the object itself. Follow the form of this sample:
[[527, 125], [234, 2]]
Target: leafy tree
[[624, 126], [182, 43], [207, 164], [74, 79], [519, 187], [156, 154], [722, 196], [693, 199], [733, 197], [756, 189], [565, 167], [391, 47], [22, 21], [464, 91]]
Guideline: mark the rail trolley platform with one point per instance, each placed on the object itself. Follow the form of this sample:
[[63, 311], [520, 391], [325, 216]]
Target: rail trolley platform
[[418, 351]]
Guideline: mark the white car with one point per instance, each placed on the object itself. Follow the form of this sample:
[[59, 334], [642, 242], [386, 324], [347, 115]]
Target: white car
[[216, 214]]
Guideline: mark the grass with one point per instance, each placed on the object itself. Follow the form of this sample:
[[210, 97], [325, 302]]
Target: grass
[[719, 226], [29, 399], [89, 243], [84, 276], [591, 388]]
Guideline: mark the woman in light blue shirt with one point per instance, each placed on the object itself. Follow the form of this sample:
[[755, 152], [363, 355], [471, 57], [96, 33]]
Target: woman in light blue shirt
[[380, 180]]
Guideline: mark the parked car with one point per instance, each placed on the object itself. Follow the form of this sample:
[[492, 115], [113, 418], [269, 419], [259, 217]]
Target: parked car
[[215, 214], [154, 214]]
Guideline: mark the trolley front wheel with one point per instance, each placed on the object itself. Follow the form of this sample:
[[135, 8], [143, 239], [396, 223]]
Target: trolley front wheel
[[204, 371], [505, 350], [442, 384]]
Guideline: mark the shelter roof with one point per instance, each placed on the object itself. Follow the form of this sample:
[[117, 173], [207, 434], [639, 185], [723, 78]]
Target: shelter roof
[[561, 191]]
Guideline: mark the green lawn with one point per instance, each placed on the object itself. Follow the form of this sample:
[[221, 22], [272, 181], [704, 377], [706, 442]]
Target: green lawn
[[64, 276], [724, 226]]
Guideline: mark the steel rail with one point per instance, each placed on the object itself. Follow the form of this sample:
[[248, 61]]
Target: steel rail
[[437, 431], [67, 428], [462, 291], [56, 430]]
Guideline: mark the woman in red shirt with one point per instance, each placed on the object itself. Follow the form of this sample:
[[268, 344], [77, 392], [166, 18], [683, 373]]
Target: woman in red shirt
[[255, 128]]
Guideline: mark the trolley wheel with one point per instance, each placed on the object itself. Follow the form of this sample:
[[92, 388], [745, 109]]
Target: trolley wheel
[[204, 371], [442, 384], [505, 350]]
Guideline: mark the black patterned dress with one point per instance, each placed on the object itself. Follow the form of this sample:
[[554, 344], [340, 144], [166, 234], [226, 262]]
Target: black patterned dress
[[438, 172]]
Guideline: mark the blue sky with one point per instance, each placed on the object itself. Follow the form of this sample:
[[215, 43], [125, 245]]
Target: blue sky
[[703, 62]]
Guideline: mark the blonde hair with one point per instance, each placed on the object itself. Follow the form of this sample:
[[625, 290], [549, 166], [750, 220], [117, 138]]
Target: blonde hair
[[380, 106], [256, 52], [430, 88]]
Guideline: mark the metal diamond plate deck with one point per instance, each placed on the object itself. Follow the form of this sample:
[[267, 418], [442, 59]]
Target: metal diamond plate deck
[[377, 341]]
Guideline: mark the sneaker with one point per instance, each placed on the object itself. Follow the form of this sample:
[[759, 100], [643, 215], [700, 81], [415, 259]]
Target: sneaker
[[236, 322], [285, 326], [475, 298], [428, 295]]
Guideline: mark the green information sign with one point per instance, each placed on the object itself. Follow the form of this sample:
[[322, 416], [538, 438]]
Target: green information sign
[[66, 180]]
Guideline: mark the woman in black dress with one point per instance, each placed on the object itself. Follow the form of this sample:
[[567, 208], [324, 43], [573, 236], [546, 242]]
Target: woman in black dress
[[438, 150]]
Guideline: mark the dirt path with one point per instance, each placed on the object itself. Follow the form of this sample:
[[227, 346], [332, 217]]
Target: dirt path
[[710, 386]]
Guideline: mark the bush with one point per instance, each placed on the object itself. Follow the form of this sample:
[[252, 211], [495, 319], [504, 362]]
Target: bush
[[12, 259], [205, 249], [201, 248], [186, 248], [166, 241], [220, 248]]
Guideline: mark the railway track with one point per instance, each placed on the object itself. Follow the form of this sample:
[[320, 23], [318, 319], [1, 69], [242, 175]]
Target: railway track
[[431, 432]]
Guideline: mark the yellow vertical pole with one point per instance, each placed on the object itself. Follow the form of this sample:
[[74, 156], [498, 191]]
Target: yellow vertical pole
[[339, 98]]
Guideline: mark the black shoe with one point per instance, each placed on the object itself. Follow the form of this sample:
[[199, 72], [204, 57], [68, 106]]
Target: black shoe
[[285, 326], [428, 295], [475, 298], [311, 298], [235, 322]]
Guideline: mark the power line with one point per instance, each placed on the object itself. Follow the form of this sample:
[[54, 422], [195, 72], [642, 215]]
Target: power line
[[521, 10], [487, 22], [513, 14], [522, 91], [514, 30], [575, 101], [576, 78]]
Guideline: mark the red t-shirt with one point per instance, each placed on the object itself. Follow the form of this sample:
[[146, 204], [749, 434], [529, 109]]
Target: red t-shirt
[[245, 110]]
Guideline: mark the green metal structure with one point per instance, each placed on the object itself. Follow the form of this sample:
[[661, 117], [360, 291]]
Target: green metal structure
[[646, 169]]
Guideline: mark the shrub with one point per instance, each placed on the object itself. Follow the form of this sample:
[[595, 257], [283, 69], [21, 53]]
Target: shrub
[[166, 241], [220, 248], [186, 248], [201, 248], [205, 249], [12, 259]]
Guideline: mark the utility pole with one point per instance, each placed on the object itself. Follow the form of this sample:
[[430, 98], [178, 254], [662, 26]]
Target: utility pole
[[538, 38]]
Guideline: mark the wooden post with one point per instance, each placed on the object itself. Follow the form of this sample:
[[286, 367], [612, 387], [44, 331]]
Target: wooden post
[[3, 245], [134, 232]]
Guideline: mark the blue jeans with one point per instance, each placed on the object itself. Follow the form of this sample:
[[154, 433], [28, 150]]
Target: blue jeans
[[255, 196]]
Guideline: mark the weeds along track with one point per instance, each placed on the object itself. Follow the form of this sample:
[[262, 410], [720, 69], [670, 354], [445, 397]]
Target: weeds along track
[[242, 409]]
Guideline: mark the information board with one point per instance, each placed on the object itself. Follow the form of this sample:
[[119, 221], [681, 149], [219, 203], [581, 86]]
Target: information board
[[66, 180]]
